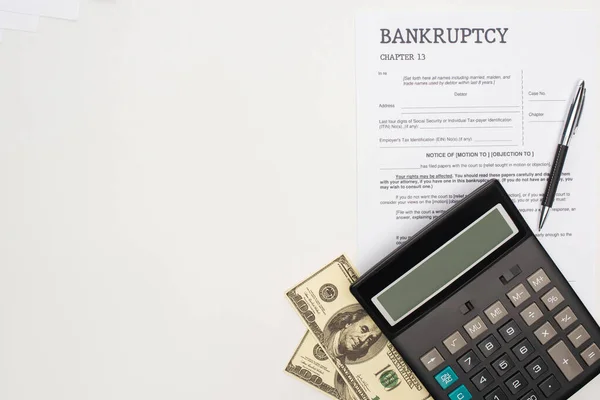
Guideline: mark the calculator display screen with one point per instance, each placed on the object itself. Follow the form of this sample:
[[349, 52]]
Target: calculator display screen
[[451, 260]]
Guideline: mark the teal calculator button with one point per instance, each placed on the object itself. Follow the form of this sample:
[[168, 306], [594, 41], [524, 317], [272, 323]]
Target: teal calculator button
[[461, 393], [446, 378]]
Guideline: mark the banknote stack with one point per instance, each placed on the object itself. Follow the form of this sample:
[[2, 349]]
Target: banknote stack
[[344, 353]]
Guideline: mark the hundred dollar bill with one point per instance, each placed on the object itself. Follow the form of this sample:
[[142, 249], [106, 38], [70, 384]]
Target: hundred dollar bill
[[365, 359], [310, 364]]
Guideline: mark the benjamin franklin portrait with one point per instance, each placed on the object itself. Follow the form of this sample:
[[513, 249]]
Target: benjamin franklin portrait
[[352, 336]]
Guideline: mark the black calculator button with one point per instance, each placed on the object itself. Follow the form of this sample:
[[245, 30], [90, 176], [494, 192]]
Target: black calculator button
[[565, 360], [536, 368], [518, 295], [432, 359], [549, 386], [579, 336], [591, 354], [468, 361], [482, 380], [475, 327], [489, 346], [538, 280], [545, 333], [503, 364], [530, 396], [531, 314], [509, 331], [516, 383], [552, 299], [565, 318], [496, 394], [523, 350]]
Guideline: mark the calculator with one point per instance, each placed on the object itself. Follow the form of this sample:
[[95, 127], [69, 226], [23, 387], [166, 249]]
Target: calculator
[[478, 309]]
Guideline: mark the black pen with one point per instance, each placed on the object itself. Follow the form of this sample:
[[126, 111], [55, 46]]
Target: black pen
[[569, 128]]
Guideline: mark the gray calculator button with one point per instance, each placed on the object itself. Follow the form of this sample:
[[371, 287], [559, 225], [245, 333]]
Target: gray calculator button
[[565, 318], [565, 360], [545, 333], [518, 295], [531, 314], [432, 359], [538, 280], [475, 327], [591, 354], [579, 336], [552, 299], [496, 312], [455, 342]]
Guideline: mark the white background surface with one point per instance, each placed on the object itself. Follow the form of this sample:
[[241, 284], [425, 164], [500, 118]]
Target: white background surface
[[167, 170]]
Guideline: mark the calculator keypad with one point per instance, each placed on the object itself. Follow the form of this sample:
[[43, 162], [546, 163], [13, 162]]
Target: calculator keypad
[[515, 365]]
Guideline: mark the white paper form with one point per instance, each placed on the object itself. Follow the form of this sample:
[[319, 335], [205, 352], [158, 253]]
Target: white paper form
[[18, 22], [64, 9], [31, 7], [448, 101]]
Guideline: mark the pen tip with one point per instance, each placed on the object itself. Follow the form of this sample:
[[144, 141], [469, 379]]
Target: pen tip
[[582, 83], [543, 216]]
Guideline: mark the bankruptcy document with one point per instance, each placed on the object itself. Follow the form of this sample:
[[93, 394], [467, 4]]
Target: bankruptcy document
[[446, 102]]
